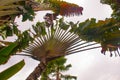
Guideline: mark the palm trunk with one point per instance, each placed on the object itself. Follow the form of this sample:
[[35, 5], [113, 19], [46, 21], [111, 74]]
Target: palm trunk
[[37, 72], [57, 75]]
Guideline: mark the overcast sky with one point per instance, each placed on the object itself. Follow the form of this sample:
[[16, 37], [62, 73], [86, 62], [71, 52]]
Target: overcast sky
[[89, 65]]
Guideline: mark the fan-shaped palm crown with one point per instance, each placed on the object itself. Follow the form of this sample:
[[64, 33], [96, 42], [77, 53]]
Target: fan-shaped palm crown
[[53, 42], [56, 42]]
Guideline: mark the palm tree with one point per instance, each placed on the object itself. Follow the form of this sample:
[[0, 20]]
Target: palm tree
[[55, 68], [53, 42], [61, 38], [69, 38], [12, 8]]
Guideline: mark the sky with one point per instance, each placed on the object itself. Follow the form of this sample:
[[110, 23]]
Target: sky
[[88, 65]]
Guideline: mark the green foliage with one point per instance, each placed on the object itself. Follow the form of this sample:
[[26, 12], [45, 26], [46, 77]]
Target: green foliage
[[64, 8], [63, 25], [6, 74], [100, 31], [68, 77], [55, 68], [106, 32], [16, 7], [115, 5], [23, 41], [6, 52], [29, 14], [86, 30], [39, 28], [8, 11], [9, 30]]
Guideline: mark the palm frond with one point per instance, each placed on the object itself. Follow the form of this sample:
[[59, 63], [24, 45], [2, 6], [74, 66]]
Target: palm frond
[[106, 32], [57, 43], [64, 8], [7, 2], [53, 42], [115, 5], [8, 12], [60, 7]]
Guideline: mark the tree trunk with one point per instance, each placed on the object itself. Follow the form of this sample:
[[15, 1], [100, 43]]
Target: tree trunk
[[57, 75], [37, 72]]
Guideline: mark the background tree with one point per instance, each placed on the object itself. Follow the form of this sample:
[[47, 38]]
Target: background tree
[[55, 68]]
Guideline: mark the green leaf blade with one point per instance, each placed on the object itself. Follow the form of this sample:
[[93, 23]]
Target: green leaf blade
[[6, 74], [6, 52]]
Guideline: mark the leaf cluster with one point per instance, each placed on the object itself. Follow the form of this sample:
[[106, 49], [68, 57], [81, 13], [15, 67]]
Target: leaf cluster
[[115, 5], [6, 74], [105, 32], [57, 66]]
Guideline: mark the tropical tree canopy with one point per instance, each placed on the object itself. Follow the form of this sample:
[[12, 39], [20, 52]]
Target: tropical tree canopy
[[55, 68], [40, 43], [53, 42], [10, 9], [115, 5]]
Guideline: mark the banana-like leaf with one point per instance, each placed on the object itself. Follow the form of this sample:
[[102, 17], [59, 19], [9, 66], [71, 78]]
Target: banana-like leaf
[[9, 12], [59, 7], [6, 74], [106, 32], [64, 8], [6, 2], [115, 5], [6, 52], [9, 7]]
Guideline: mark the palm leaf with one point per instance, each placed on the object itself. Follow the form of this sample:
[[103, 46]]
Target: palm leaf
[[68, 77], [58, 43], [106, 32], [8, 12], [7, 2], [115, 5], [59, 7], [6, 74], [9, 7], [55, 43], [6, 52]]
